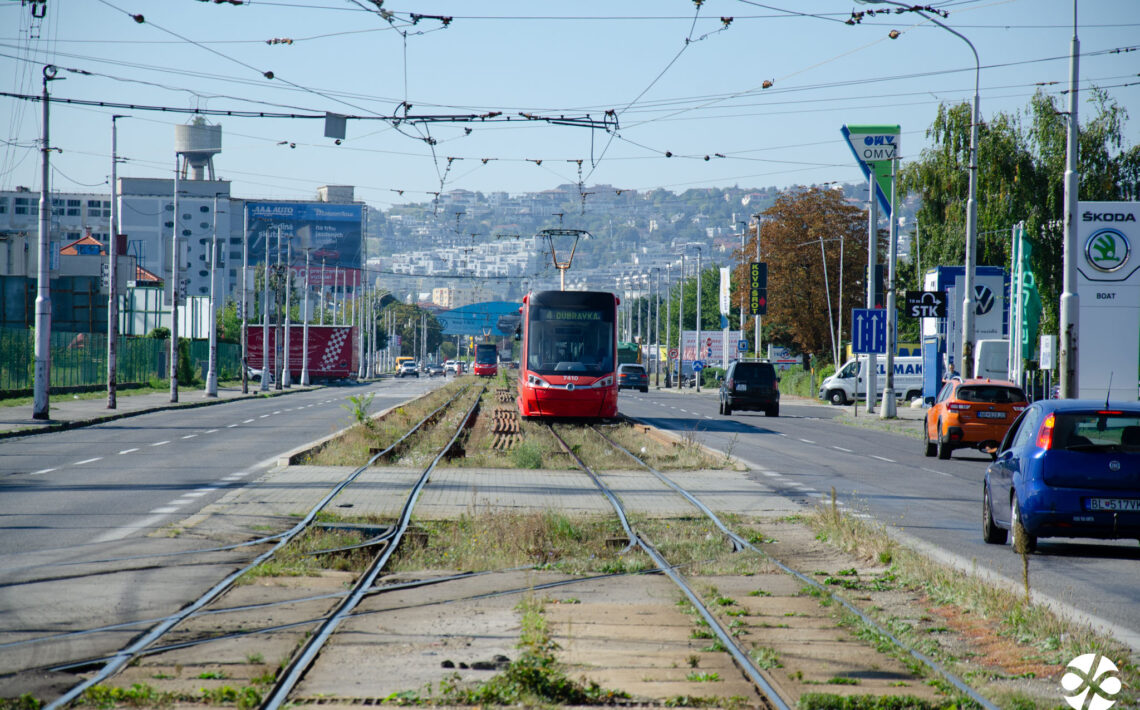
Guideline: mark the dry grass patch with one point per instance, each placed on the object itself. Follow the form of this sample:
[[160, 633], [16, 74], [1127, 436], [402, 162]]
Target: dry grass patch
[[297, 559], [1007, 637]]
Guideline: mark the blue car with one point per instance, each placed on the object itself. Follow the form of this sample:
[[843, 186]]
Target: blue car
[[1066, 468]]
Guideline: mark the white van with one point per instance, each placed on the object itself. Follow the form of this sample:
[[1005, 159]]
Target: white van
[[991, 359], [850, 381]]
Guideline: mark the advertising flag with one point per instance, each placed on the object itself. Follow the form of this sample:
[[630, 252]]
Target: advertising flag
[[725, 289]]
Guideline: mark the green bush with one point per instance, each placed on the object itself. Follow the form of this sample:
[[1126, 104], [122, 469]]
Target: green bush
[[527, 455]]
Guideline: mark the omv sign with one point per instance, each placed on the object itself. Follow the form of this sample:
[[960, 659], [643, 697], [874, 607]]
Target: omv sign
[[879, 148]]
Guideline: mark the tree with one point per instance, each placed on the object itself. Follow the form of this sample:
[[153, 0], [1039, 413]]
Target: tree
[[407, 320], [1020, 177], [798, 314]]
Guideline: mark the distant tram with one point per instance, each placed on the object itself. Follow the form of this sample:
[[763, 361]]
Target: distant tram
[[486, 360], [568, 364]]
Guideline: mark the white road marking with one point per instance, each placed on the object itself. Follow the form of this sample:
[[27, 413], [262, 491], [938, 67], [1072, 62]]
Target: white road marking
[[840, 448], [940, 473], [160, 443], [198, 494], [232, 478], [120, 533], [190, 436], [707, 417], [128, 451], [882, 458], [212, 431], [278, 411], [181, 501], [42, 471], [231, 426], [263, 416], [807, 441], [80, 463], [163, 511], [246, 421], [772, 474]]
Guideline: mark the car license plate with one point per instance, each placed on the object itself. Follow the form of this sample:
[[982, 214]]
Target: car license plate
[[991, 415], [1119, 504], [742, 387]]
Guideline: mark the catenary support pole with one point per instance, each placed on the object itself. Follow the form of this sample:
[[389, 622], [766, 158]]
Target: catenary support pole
[[265, 318], [696, 374], [212, 364], [278, 341], [245, 299], [286, 350], [305, 328], [887, 411], [113, 273], [872, 259], [175, 287], [42, 372], [1070, 299]]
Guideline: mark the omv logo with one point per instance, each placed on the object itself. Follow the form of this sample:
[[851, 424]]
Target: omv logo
[[1092, 680]]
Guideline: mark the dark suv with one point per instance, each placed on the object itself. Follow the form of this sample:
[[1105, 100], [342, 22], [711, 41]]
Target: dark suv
[[633, 377], [750, 385]]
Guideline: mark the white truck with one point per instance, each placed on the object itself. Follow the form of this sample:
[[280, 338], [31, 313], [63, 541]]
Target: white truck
[[850, 381]]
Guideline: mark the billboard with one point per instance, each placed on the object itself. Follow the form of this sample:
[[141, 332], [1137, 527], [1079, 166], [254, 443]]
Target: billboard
[[332, 232], [712, 345]]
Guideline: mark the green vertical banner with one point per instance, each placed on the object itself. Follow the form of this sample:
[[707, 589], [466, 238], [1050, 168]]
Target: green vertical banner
[[874, 147], [1030, 299]]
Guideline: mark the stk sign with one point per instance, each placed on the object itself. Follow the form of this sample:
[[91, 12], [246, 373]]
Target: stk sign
[[926, 304]]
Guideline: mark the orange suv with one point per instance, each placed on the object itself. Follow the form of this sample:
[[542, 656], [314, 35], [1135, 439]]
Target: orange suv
[[971, 414]]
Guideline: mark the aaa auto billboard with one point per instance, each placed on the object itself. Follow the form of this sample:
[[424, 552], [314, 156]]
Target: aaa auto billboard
[[331, 232]]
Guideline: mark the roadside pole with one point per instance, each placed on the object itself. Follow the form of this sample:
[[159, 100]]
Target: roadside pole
[[265, 318], [286, 374], [112, 274], [872, 259], [42, 372], [305, 328], [888, 410], [174, 285], [245, 300]]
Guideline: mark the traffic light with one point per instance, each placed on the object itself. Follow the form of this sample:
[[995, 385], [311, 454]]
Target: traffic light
[[880, 289]]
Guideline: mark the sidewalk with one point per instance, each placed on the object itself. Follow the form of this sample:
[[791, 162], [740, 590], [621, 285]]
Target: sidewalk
[[68, 411]]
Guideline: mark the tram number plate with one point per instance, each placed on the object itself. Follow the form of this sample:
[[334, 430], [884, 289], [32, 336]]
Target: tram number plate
[[1122, 504]]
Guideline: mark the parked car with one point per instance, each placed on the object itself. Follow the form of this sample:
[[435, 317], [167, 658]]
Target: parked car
[[408, 368], [254, 373], [633, 377], [435, 370], [750, 385], [1066, 468], [973, 413]]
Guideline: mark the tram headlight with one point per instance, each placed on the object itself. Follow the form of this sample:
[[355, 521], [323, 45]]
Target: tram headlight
[[534, 381], [605, 382]]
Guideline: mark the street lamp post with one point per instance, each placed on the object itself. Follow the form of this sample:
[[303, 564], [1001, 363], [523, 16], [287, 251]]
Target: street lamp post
[[174, 288], [305, 328], [657, 331], [245, 300], [668, 323], [113, 273], [681, 325], [42, 381], [286, 374], [265, 318], [968, 297], [695, 373]]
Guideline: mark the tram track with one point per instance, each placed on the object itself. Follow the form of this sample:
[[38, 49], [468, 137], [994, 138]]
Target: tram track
[[107, 667], [739, 655]]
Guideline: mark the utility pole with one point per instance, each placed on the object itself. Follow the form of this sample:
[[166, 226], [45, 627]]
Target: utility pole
[[668, 322], [681, 326], [245, 300], [286, 373], [695, 373], [305, 328], [1070, 299], [40, 405], [888, 408], [657, 332], [321, 289], [872, 259], [174, 287], [278, 340], [212, 367], [113, 274], [265, 318]]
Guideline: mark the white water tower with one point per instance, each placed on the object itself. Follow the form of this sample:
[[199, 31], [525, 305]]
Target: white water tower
[[197, 143]]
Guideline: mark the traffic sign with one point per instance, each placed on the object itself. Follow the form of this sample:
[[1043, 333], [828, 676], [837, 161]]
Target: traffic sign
[[708, 342], [742, 346], [698, 365], [868, 330], [672, 352], [926, 304]]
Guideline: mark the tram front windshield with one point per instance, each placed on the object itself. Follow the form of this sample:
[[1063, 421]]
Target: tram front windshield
[[570, 341], [486, 355]]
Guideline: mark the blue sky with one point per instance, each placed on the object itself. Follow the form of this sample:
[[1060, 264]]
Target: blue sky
[[680, 79]]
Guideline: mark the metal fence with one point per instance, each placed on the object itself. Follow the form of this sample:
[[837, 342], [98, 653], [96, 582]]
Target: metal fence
[[80, 359]]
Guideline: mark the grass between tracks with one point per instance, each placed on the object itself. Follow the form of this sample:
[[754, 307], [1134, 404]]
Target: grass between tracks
[[354, 447], [1010, 637]]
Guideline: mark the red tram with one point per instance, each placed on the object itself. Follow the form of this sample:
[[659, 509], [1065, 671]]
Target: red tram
[[486, 360], [568, 363]]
